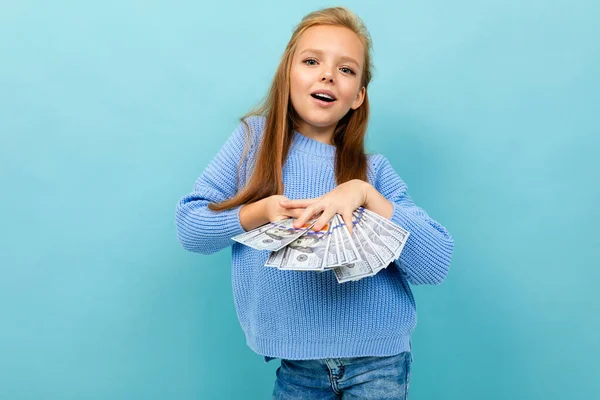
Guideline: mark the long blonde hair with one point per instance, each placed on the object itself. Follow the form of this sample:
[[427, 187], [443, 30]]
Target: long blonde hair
[[282, 119]]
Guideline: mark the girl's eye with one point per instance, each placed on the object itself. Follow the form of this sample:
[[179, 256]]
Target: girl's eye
[[345, 70]]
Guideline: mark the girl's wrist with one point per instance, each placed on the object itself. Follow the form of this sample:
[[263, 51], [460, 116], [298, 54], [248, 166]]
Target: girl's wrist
[[367, 190], [253, 215], [374, 201]]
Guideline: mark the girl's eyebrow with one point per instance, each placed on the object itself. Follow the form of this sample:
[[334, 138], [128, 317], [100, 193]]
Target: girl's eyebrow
[[319, 52]]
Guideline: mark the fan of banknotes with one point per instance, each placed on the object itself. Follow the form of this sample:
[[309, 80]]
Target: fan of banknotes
[[375, 242]]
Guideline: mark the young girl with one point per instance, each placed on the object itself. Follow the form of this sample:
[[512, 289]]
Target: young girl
[[299, 154]]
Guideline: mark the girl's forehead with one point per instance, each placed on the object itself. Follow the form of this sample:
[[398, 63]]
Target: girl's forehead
[[335, 41]]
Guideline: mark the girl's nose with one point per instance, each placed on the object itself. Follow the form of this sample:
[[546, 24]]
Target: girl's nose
[[325, 78]]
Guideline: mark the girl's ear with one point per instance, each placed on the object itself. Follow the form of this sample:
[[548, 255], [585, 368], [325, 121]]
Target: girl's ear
[[360, 97]]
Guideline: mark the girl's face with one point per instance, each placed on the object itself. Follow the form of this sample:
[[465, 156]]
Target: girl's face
[[326, 58]]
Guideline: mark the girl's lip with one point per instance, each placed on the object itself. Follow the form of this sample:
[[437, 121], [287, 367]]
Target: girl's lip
[[323, 104]]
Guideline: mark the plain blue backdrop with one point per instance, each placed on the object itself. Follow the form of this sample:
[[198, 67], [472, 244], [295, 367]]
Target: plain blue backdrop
[[110, 110]]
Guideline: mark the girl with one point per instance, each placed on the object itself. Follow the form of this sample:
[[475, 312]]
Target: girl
[[305, 142]]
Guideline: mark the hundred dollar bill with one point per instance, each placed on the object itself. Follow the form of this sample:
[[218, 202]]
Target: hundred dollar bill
[[397, 230], [339, 254], [348, 246], [354, 270], [278, 235], [244, 237], [373, 245], [392, 235], [368, 251], [386, 254], [275, 258], [307, 252], [330, 260]]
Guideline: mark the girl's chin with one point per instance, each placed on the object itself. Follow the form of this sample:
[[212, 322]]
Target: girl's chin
[[320, 123], [321, 119]]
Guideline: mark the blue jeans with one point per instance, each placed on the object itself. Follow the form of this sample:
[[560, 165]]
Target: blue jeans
[[378, 378]]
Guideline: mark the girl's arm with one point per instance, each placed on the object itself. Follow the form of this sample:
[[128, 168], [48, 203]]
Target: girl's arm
[[253, 215], [200, 229], [427, 253]]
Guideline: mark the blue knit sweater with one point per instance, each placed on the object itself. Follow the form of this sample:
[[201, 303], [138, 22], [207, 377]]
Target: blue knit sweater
[[303, 314]]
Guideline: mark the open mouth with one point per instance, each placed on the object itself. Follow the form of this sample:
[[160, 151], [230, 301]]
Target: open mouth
[[323, 97]]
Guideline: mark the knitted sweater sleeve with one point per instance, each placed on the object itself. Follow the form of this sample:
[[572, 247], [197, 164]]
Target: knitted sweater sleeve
[[198, 228], [427, 253]]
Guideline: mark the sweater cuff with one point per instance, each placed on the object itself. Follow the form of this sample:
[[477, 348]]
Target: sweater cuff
[[239, 229], [232, 225], [399, 216]]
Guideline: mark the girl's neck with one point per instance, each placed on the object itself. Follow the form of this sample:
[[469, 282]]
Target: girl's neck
[[320, 134]]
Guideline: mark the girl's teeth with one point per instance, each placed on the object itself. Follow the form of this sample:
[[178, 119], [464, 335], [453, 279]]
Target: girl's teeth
[[323, 97]]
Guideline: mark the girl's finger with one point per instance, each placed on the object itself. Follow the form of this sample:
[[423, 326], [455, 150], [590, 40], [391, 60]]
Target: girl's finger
[[301, 219], [305, 216], [300, 203], [297, 212], [293, 212], [323, 220]]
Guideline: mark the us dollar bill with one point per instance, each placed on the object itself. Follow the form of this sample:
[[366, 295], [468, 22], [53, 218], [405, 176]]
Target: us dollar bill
[[307, 252], [392, 235], [352, 270], [369, 251], [276, 235], [346, 241], [331, 258], [275, 258], [386, 254], [374, 244], [246, 236]]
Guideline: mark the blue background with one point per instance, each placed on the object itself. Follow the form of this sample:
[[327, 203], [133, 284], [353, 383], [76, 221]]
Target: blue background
[[110, 110]]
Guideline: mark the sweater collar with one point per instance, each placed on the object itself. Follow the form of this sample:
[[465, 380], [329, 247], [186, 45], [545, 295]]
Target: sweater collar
[[312, 146]]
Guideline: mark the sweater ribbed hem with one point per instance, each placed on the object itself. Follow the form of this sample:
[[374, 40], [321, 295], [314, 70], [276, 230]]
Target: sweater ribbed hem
[[299, 350]]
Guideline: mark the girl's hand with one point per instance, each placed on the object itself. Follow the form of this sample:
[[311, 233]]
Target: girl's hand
[[274, 212], [342, 200]]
